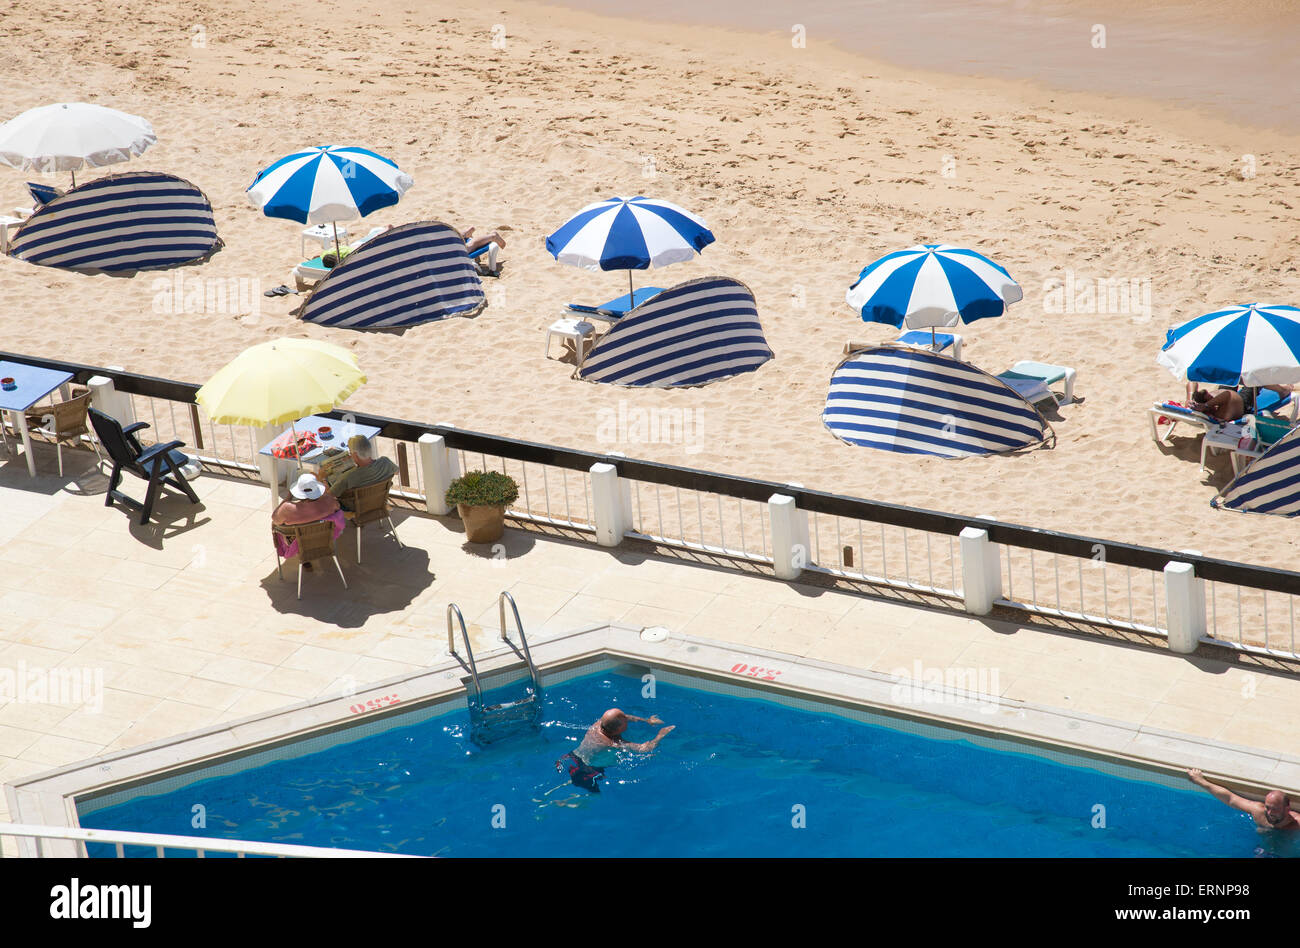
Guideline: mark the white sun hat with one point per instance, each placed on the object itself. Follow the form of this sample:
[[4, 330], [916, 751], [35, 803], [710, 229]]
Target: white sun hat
[[307, 488]]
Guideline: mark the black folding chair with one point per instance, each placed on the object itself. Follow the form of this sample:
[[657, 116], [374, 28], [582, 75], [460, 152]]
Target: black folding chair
[[159, 464]]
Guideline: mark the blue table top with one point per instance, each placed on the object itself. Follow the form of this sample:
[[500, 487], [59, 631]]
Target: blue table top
[[33, 384], [342, 432], [620, 306]]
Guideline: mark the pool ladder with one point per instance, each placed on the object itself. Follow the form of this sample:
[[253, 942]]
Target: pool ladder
[[491, 722]]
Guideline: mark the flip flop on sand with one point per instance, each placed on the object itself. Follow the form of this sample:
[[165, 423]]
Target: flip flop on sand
[[280, 290]]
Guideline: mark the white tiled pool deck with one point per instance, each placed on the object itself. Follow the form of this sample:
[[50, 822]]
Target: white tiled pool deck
[[191, 626]]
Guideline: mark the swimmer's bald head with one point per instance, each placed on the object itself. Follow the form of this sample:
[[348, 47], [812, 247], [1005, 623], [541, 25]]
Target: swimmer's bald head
[[1276, 806], [613, 722]]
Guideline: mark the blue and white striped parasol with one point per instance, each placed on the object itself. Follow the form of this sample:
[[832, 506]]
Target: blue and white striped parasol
[[629, 234], [932, 285], [327, 184], [1241, 345]]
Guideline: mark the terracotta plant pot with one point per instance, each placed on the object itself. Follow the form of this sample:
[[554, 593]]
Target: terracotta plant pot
[[483, 524]]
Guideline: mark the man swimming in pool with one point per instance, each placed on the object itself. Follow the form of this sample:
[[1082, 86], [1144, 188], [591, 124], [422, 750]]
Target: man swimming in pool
[[1274, 813], [586, 765]]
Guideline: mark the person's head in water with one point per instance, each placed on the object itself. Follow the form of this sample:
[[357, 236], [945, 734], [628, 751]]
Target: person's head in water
[[613, 722], [1277, 807]]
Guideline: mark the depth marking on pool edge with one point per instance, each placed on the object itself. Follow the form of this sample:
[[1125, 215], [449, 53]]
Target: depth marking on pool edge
[[374, 704], [754, 671]]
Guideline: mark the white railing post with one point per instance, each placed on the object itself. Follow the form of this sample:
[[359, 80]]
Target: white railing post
[[981, 571], [440, 469], [105, 396], [625, 490], [125, 404], [607, 504], [1184, 607], [788, 527]]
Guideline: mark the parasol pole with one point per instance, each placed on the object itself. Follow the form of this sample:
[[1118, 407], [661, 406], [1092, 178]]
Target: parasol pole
[[337, 261], [297, 455]]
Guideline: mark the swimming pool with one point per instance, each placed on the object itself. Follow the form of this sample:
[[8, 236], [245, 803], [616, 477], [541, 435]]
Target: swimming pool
[[741, 775]]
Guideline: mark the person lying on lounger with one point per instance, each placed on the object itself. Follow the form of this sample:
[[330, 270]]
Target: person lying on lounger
[[1229, 404], [472, 243], [1225, 404], [586, 765]]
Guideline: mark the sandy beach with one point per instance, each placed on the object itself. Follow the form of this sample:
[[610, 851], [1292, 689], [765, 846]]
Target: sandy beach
[[807, 162]]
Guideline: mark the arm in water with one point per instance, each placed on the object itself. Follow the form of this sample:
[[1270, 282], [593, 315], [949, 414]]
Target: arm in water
[[649, 745]]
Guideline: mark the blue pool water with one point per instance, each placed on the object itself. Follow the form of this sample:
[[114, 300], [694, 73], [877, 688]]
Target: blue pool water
[[731, 780]]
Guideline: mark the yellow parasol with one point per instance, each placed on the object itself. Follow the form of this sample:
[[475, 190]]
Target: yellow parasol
[[279, 381]]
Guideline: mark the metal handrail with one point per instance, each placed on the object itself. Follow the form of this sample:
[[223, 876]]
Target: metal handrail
[[523, 640], [451, 646], [200, 844]]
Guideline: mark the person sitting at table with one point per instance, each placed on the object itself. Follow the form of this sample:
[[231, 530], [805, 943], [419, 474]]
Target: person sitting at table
[[369, 469], [310, 502]]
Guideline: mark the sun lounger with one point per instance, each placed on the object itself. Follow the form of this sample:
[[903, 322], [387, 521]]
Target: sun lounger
[[42, 194], [312, 271], [1033, 380], [616, 309], [488, 267], [1173, 415], [921, 339], [1270, 401]]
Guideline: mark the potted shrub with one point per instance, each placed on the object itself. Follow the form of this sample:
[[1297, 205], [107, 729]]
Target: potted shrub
[[481, 498]]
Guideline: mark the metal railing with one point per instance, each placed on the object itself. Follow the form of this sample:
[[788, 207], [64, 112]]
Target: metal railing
[[502, 599], [1045, 572], [160, 843], [454, 610], [881, 554]]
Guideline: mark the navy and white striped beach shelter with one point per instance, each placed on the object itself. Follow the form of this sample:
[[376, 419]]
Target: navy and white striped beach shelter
[[697, 332], [914, 401], [139, 220], [412, 274], [1270, 485]]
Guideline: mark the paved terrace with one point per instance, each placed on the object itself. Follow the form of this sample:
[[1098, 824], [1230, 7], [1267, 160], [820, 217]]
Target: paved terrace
[[191, 626]]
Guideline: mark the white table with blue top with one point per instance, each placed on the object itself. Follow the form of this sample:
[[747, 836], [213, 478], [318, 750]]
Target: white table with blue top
[[30, 384], [341, 431]]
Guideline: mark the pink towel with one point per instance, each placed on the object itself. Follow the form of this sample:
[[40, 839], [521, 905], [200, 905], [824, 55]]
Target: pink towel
[[289, 548]]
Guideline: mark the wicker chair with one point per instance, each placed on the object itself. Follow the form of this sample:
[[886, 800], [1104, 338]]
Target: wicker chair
[[64, 421], [315, 542], [363, 505]]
